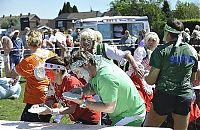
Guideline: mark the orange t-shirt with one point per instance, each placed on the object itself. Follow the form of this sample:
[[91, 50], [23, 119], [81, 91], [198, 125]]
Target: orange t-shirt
[[34, 89]]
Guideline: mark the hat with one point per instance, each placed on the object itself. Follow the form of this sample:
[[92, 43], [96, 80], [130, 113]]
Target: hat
[[15, 31]]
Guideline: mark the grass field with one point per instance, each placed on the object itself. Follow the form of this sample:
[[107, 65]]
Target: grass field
[[12, 109]]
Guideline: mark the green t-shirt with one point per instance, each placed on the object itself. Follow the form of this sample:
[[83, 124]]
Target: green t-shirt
[[176, 65], [113, 84]]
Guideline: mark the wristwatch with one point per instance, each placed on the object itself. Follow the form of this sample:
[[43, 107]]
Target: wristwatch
[[83, 105]]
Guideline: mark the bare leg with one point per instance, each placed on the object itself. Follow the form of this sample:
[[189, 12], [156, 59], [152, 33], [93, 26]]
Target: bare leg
[[153, 119], [180, 122]]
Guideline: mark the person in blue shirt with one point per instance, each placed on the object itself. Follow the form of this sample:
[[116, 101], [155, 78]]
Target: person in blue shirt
[[18, 48]]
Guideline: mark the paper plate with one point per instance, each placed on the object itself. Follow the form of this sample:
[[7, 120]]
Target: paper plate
[[70, 95], [37, 109], [196, 87]]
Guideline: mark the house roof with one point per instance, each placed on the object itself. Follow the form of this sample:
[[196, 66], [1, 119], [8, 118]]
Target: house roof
[[31, 16], [80, 15]]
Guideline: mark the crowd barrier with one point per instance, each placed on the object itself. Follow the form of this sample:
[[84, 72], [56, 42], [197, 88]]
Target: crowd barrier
[[123, 47]]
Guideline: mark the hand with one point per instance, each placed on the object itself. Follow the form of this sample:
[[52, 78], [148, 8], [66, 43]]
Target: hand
[[77, 101], [139, 72]]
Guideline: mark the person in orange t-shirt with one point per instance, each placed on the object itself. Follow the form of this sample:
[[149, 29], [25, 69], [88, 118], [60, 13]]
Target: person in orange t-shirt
[[63, 82], [36, 84]]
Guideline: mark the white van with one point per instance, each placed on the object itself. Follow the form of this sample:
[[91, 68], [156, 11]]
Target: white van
[[113, 28]]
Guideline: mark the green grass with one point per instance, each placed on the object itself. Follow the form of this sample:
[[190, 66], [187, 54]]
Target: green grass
[[11, 109]]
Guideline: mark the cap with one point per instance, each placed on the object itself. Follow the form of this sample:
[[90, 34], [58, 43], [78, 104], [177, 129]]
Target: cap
[[15, 31]]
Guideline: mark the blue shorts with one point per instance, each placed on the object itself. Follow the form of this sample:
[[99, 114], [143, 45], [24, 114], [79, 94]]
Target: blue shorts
[[165, 104]]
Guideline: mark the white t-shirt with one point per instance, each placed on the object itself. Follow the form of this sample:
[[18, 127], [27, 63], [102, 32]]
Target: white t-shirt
[[115, 54], [52, 38]]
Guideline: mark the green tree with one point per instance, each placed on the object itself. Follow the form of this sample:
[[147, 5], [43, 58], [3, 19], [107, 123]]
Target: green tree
[[74, 9], [68, 9], [5, 24], [142, 8], [60, 12], [9, 22], [185, 10], [166, 9]]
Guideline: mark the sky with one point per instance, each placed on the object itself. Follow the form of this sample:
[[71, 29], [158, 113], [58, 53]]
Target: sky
[[48, 9]]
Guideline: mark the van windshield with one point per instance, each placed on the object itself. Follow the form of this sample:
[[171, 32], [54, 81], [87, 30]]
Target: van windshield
[[116, 31]]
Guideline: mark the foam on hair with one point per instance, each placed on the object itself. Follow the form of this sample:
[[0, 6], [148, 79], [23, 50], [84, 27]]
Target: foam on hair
[[88, 34]]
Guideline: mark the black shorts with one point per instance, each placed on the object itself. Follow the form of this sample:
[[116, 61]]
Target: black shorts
[[33, 117], [165, 104]]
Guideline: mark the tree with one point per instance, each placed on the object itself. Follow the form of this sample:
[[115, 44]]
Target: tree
[[5, 24], [68, 9], [9, 22], [60, 12], [186, 10], [74, 9], [142, 8], [166, 8]]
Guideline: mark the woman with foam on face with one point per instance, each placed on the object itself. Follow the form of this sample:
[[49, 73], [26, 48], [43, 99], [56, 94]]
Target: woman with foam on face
[[62, 82]]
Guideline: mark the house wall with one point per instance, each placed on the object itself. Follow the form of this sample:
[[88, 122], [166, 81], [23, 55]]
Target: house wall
[[65, 23]]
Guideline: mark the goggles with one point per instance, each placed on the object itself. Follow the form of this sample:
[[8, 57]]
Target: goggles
[[54, 66]]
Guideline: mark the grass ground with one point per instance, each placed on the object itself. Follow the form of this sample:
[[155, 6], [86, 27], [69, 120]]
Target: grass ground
[[11, 109]]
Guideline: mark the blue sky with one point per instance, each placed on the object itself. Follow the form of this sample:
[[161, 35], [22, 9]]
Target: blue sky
[[50, 8]]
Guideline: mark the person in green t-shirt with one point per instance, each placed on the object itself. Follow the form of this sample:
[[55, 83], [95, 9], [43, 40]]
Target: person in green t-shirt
[[174, 65], [119, 97]]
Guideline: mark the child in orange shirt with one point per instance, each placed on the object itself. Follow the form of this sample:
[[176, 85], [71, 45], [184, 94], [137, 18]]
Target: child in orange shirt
[[36, 84]]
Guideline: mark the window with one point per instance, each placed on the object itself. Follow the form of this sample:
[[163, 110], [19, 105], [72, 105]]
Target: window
[[60, 24]]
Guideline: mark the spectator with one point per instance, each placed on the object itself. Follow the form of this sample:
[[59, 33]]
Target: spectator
[[36, 82], [7, 90], [142, 56], [24, 36], [195, 38], [64, 82], [172, 78], [127, 39], [61, 43], [54, 41], [69, 40], [76, 37], [119, 97], [187, 30], [140, 36], [18, 49]]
